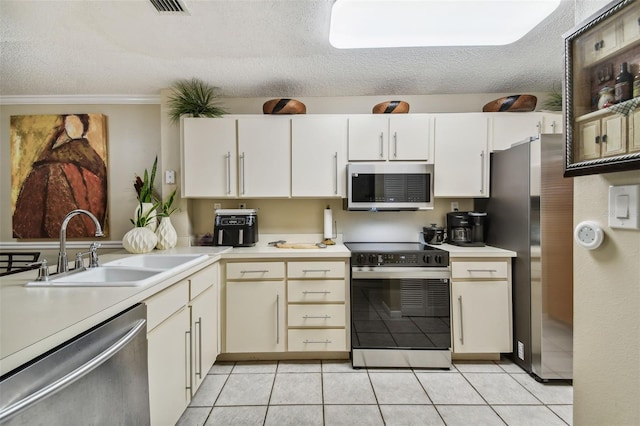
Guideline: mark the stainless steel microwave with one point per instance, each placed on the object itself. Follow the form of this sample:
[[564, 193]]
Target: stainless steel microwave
[[389, 186]]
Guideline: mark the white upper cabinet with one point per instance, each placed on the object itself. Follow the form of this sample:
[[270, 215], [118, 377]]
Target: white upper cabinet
[[508, 128], [552, 122], [209, 157], [318, 156], [462, 155], [264, 156], [380, 137]]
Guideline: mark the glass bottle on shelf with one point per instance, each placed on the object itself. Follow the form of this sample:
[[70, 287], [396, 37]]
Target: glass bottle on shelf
[[624, 84], [636, 83]]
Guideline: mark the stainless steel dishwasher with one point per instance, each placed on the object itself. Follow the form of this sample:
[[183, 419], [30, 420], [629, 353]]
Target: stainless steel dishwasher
[[97, 378]]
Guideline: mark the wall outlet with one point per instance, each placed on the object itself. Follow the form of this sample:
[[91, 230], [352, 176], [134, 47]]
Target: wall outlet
[[454, 206], [217, 206], [521, 350], [242, 205], [170, 177]]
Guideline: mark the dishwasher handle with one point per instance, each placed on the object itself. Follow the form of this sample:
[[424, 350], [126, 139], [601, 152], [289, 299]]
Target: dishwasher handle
[[74, 375]]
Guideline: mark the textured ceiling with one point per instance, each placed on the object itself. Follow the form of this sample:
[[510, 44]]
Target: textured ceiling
[[249, 49]]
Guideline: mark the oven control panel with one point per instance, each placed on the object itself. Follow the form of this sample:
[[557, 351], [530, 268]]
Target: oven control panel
[[424, 258]]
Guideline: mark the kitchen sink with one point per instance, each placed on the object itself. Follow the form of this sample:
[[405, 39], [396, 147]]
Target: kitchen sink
[[131, 271], [158, 261]]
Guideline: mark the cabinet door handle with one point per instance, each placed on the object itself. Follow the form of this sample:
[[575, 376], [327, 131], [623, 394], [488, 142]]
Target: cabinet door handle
[[604, 138], [539, 127], [553, 126], [482, 270], [461, 321], [316, 292], [395, 144], [242, 174], [316, 316], [482, 172], [198, 324], [316, 341], [597, 139], [381, 144], [315, 270], [187, 360], [277, 319], [256, 271], [228, 156], [335, 165]]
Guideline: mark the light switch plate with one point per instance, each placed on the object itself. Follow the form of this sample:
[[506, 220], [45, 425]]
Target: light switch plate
[[624, 206]]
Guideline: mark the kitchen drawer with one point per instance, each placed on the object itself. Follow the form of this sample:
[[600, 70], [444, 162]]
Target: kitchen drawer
[[202, 280], [316, 291], [317, 340], [316, 269], [255, 270], [162, 305], [316, 315], [475, 269]]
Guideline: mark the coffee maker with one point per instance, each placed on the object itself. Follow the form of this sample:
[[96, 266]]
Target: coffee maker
[[466, 228], [235, 227]]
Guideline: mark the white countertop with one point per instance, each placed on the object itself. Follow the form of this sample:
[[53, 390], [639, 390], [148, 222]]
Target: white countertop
[[486, 251], [34, 320]]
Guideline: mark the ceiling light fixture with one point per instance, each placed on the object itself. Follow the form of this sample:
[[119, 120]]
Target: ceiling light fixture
[[411, 23]]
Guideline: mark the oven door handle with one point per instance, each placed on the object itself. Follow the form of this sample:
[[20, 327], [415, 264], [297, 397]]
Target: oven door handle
[[400, 272]]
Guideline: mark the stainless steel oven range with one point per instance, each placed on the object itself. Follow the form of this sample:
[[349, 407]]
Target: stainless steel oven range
[[400, 305]]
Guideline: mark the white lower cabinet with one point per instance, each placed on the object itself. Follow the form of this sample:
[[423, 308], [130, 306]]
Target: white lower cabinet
[[481, 306], [204, 329], [255, 316], [317, 313], [168, 353], [287, 306], [182, 335]]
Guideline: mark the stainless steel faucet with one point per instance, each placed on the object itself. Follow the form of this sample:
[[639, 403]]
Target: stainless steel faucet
[[63, 263]]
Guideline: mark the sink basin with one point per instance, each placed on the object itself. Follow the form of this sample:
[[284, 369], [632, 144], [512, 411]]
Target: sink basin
[[130, 271], [157, 261], [102, 276]]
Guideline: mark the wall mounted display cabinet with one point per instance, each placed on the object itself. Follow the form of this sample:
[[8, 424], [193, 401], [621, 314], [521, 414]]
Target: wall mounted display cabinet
[[600, 103]]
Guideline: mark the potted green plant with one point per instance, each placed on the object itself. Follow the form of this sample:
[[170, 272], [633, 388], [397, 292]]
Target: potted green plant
[[166, 233], [141, 239], [553, 102], [147, 197], [194, 97]]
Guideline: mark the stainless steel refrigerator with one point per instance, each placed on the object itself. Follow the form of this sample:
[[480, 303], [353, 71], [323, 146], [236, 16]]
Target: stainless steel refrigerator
[[531, 212]]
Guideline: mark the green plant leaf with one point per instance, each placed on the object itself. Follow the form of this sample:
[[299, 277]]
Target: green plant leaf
[[194, 97]]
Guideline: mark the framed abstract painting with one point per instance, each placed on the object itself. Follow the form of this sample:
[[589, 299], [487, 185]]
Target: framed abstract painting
[[58, 164]]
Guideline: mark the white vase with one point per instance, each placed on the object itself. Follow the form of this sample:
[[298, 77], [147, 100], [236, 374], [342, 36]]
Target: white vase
[[146, 208], [139, 240], [166, 233]]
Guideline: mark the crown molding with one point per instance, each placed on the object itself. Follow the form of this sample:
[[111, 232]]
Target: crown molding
[[80, 99]]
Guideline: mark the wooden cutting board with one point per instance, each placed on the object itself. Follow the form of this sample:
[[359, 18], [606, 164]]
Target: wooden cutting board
[[297, 245]]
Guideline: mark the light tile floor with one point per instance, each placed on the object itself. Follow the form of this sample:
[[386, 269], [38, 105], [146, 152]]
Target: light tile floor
[[332, 393]]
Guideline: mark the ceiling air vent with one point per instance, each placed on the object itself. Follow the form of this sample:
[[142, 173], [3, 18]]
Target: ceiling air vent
[[168, 6]]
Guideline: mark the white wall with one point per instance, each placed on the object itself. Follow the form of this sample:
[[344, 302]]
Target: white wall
[[606, 385]]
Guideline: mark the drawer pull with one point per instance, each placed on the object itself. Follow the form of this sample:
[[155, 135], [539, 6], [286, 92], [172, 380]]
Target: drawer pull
[[316, 316], [257, 271], [315, 270], [317, 341], [482, 270], [316, 292]]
